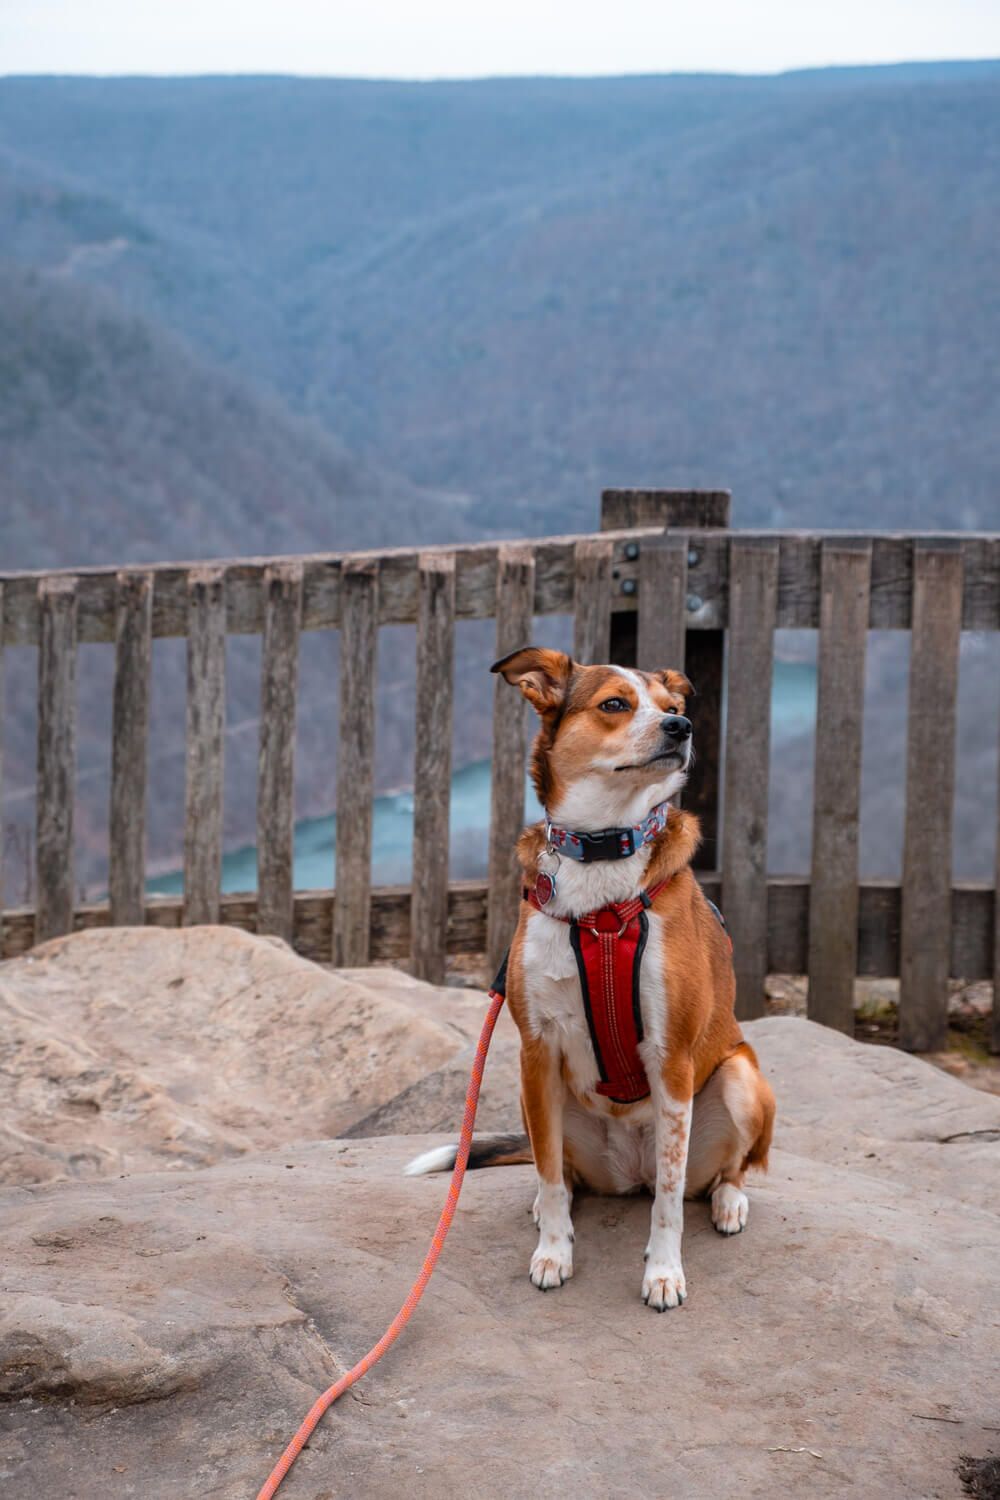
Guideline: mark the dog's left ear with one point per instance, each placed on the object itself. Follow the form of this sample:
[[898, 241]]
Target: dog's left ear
[[676, 682], [542, 675]]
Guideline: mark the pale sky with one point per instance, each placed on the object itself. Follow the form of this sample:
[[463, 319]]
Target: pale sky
[[472, 38]]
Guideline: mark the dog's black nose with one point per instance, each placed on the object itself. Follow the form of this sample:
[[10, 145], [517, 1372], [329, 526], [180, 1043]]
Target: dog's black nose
[[676, 727]]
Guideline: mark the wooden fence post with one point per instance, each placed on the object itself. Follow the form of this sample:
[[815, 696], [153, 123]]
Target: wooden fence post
[[432, 766], [663, 589], [995, 1033], [845, 579], [56, 757], [753, 595], [925, 932], [592, 601], [206, 725], [279, 684], [515, 613], [129, 748], [704, 650], [1, 773], [359, 585]]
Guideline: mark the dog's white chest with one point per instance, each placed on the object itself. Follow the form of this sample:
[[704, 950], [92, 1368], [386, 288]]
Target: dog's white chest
[[554, 1001]]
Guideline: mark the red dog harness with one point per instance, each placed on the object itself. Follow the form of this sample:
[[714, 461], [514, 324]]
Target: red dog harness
[[609, 945]]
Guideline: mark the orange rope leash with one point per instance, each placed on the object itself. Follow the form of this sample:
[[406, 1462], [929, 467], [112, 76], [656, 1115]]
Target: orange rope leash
[[416, 1291]]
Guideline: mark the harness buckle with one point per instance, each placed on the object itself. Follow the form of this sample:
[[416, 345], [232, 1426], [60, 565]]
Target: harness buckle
[[599, 929], [601, 932]]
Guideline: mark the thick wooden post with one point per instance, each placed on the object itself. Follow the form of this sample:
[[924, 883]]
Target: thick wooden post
[[925, 932], [432, 766], [753, 594], [845, 579], [704, 653], [129, 747], [355, 763], [515, 612], [279, 682], [206, 725]]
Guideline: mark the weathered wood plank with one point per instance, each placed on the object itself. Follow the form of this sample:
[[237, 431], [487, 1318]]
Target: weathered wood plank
[[833, 908], [995, 924], [592, 601], [515, 595], [930, 788], [432, 766], [56, 757], [1, 772], [205, 750], [475, 577], [995, 1032], [971, 947], [129, 748], [753, 597], [622, 510], [787, 907], [686, 515], [279, 685], [663, 588], [704, 665], [359, 586], [476, 567]]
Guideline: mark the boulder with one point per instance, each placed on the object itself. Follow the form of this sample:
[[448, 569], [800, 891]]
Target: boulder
[[134, 1048], [162, 1334]]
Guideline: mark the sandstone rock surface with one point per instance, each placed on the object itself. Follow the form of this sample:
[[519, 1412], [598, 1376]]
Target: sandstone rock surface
[[163, 1332], [135, 1048]]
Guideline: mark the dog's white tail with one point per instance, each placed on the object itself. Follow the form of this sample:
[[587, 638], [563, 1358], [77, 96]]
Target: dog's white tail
[[487, 1151]]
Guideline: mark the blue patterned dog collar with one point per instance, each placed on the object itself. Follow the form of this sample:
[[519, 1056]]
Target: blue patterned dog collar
[[607, 843]]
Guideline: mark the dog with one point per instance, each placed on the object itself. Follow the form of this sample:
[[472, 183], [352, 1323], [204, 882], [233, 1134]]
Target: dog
[[634, 1071]]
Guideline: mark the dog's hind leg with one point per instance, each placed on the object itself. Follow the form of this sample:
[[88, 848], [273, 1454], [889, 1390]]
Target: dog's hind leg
[[730, 1131]]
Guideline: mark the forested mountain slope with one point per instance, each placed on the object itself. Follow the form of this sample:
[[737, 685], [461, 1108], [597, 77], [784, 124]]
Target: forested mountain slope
[[520, 290]]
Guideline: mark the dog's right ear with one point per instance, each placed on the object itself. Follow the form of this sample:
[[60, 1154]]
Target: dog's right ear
[[542, 675]]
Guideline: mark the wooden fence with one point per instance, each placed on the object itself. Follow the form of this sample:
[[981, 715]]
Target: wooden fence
[[664, 582]]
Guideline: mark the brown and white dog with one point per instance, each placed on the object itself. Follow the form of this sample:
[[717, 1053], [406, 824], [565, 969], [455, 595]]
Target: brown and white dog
[[614, 744]]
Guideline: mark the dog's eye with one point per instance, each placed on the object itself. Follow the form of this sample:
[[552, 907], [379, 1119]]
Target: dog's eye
[[614, 706]]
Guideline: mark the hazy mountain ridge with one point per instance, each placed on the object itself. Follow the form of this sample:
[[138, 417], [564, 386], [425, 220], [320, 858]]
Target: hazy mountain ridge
[[525, 289]]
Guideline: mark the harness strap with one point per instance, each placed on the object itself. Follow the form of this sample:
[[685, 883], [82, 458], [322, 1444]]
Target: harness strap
[[607, 918], [608, 945]]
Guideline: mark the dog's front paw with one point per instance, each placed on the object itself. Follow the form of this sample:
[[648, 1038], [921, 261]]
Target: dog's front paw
[[729, 1208], [663, 1286], [551, 1265]]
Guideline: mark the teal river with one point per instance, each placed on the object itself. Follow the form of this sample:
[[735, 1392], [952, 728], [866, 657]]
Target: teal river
[[793, 709]]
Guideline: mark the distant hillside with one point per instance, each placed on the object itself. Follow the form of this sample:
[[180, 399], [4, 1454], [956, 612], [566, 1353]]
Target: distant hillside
[[521, 290], [116, 436]]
